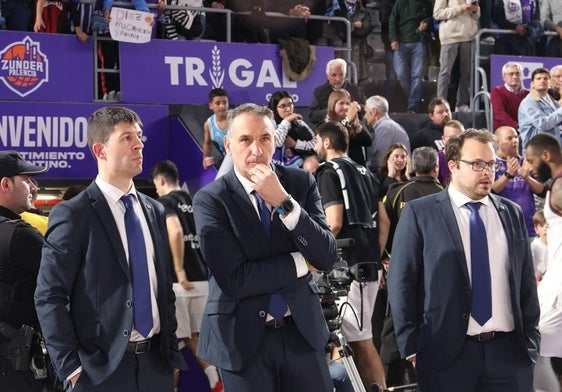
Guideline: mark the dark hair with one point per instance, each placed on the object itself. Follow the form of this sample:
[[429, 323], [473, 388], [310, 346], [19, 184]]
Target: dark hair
[[538, 218], [454, 145], [384, 165], [101, 123], [545, 141], [72, 191], [217, 92], [434, 102], [540, 70], [336, 133], [166, 169], [274, 101]]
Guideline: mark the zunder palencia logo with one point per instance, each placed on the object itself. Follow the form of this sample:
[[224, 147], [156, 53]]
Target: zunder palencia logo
[[23, 67]]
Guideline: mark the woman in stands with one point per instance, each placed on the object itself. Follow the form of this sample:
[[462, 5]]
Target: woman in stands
[[293, 137], [396, 166], [341, 109]]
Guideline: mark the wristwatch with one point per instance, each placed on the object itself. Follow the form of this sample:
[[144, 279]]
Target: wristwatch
[[509, 176], [286, 206], [345, 122]]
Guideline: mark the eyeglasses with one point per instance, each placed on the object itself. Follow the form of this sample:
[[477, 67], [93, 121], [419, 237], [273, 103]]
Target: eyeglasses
[[285, 106], [479, 166]]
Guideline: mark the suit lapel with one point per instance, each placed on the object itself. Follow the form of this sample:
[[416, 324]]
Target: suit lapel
[[99, 204], [247, 210], [443, 204]]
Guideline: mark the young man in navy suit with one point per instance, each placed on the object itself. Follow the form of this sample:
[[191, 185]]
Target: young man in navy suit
[[260, 227], [99, 335], [461, 282]]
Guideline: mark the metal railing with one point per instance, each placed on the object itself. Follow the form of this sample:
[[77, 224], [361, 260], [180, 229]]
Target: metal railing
[[346, 49]]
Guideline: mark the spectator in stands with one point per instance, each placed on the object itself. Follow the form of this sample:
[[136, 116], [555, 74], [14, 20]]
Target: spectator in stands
[[190, 271], [458, 25], [294, 140], [396, 166], [410, 22], [538, 112], [215, 27], [390, 76], [50, 17], [216, 127], [183, 24], [299, 27], [555, 89], [82, 19], [551, 16], [452, 128], [336, 71], [72, 191], [17, 14], [523, 17], [430, 134], [507, 97], [385, 131], [346, 112], [514, 180]]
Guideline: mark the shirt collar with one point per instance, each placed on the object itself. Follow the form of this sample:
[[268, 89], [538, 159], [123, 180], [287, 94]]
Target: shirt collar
[[112, 193], [246, 184], [460, 199]]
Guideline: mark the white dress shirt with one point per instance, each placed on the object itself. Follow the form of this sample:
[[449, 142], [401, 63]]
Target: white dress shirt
[[502, 313]]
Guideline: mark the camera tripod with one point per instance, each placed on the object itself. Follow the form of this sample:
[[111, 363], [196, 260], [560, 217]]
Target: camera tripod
[[345, 355]]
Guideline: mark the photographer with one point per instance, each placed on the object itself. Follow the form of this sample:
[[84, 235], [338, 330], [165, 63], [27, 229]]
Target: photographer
[[20, 255], [353, 210]]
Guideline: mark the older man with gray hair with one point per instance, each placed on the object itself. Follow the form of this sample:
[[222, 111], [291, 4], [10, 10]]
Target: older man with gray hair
[[385, 131], [507, 97], [336, 71]]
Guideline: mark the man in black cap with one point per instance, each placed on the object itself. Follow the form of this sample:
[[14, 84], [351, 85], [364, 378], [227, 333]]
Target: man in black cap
[[20, 255]]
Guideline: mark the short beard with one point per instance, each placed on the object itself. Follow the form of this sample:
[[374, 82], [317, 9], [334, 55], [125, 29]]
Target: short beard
[[544, 173]]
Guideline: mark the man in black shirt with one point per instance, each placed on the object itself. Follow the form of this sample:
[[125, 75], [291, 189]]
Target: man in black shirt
[[20, 256], [190, 272], [350, 197]]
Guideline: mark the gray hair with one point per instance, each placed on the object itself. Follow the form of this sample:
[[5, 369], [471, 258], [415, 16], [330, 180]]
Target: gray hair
[[555, 67], [424, 160], [511, 64], [336, 62], [378, 102], [248, 108]]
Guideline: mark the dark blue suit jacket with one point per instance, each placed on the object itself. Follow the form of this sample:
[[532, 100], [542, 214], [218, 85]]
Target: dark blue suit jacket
[[429, 287], [246, 267], [84, 292]]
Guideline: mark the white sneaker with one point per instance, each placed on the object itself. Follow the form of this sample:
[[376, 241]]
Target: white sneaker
[[463, 109]]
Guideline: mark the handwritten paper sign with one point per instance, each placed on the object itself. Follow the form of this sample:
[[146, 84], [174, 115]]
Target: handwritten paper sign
[[130, 25]]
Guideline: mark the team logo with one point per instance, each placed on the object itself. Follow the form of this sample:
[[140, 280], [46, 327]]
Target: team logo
[[23, 67]]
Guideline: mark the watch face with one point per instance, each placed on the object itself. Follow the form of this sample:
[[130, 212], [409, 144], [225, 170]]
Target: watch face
[[287, 206]]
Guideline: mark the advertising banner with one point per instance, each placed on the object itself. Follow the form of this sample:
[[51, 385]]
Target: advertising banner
[[181, 72], [55, 135], [529, 64], [45, 67]]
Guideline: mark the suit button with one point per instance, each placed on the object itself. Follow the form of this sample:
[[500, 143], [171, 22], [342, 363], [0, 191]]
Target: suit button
[[261, 313], [129, 303], [126, 332], [465, 316]]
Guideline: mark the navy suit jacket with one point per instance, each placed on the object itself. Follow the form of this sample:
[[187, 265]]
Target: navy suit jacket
[[84, 292], [246, 267], [429, 287]]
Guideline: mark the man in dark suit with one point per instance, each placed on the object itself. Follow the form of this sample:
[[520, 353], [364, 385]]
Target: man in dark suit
[[99, 337], [258, 260], [464, 298]]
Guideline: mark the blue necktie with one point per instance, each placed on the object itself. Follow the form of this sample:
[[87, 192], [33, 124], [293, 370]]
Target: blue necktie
[[480, 267], [277, 303], [142, 308]]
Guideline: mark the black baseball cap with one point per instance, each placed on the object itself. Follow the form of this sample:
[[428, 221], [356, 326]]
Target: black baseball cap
[[12, 164]]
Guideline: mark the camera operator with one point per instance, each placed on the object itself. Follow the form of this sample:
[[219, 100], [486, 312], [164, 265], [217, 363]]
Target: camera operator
[[350, 197], [20, 256]]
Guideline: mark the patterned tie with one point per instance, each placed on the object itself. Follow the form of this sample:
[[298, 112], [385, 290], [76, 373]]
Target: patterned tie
[[142, 308], [480, 267], [277, 303]]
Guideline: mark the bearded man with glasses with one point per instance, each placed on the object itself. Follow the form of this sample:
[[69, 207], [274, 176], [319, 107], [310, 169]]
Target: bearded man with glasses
[[463, 291]]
